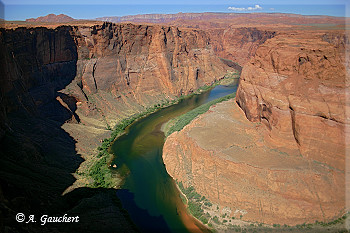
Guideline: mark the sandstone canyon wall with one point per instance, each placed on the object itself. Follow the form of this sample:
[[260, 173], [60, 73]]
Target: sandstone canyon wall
[[62, 89], [297, 88], [278, 156], [37, 156], [133, 66], [104, 73], [239, 44]]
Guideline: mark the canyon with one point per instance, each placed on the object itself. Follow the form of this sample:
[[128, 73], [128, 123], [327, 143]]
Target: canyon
[[276, 154], [64, 89], [65, 86]]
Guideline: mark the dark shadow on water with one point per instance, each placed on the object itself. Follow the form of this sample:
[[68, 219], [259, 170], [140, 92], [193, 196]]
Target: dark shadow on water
[[141, 217], [38, 157]]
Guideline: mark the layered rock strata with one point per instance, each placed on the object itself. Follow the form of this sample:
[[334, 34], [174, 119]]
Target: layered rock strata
[[239, 44], [297, 87], [225, 158], [98, 75], [131, 66], [62, 89], [278, 154]]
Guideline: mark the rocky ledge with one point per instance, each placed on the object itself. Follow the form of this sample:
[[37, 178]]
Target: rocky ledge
[[225, 158], [297, 87], [277, 154]]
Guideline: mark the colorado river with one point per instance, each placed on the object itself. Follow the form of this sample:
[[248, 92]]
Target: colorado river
[[149, 194]]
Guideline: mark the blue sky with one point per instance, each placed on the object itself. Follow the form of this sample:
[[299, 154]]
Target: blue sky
[[84, 9], [177, 2]]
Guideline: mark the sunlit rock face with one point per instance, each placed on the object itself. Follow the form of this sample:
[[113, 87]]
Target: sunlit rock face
[[277, 153]]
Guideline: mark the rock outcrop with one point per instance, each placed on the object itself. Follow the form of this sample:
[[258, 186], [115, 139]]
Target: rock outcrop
[[238, 44], [286, 165], [61, 89], [38, 157], [127, 67], [225, 158], [101, 74], [297, 87]]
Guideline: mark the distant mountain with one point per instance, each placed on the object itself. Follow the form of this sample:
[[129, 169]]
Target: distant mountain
[[52, 18], [262, 18], [164, 18]]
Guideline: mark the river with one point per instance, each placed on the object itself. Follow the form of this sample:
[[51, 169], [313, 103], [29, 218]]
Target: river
[[149, 194]]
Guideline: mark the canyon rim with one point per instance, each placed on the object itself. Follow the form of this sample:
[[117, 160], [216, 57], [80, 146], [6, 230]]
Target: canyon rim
[[273, 155]]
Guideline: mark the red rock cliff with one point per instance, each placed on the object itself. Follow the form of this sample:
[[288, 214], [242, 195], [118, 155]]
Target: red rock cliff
[[103, 73], [140, 65], [278, 156], [297, 87], [62, 88]]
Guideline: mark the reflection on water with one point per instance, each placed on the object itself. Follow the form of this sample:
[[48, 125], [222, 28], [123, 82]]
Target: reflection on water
[[149, 194]]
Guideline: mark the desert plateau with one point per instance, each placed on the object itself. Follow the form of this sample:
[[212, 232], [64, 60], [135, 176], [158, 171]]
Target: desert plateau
[[180, 122]]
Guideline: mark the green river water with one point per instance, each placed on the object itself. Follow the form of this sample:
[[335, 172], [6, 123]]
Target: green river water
[[149, 194]]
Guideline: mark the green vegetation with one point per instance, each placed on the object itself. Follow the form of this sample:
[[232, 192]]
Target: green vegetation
[[195, 202], [99, 170], [100, 173], [180, 122], [336, 225], [183, 199], [229, 78], [207, 203], [216, 220], [195, 209], [231, 75], [337, 221]]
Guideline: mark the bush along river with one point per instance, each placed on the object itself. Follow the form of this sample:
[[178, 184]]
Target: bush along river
[[148, 193]]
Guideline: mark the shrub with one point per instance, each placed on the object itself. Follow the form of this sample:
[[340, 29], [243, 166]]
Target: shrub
[[195, 209], [181, 187], [216, 220], [186, 118], [203, 219], [207, 203]]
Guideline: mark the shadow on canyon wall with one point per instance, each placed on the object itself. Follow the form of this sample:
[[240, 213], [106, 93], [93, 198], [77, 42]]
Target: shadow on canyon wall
[[37, 157]]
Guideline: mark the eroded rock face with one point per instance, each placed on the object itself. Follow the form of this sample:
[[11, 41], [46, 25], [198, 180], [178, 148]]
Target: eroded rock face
[[140, 65], [35, 64], [277, 155], [297, 87], [239, 44], [103, 73], [226, 158], [60, 91]]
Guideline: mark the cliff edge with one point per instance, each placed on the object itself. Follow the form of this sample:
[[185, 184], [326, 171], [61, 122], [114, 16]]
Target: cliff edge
[[63, 90], [277, 154]]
